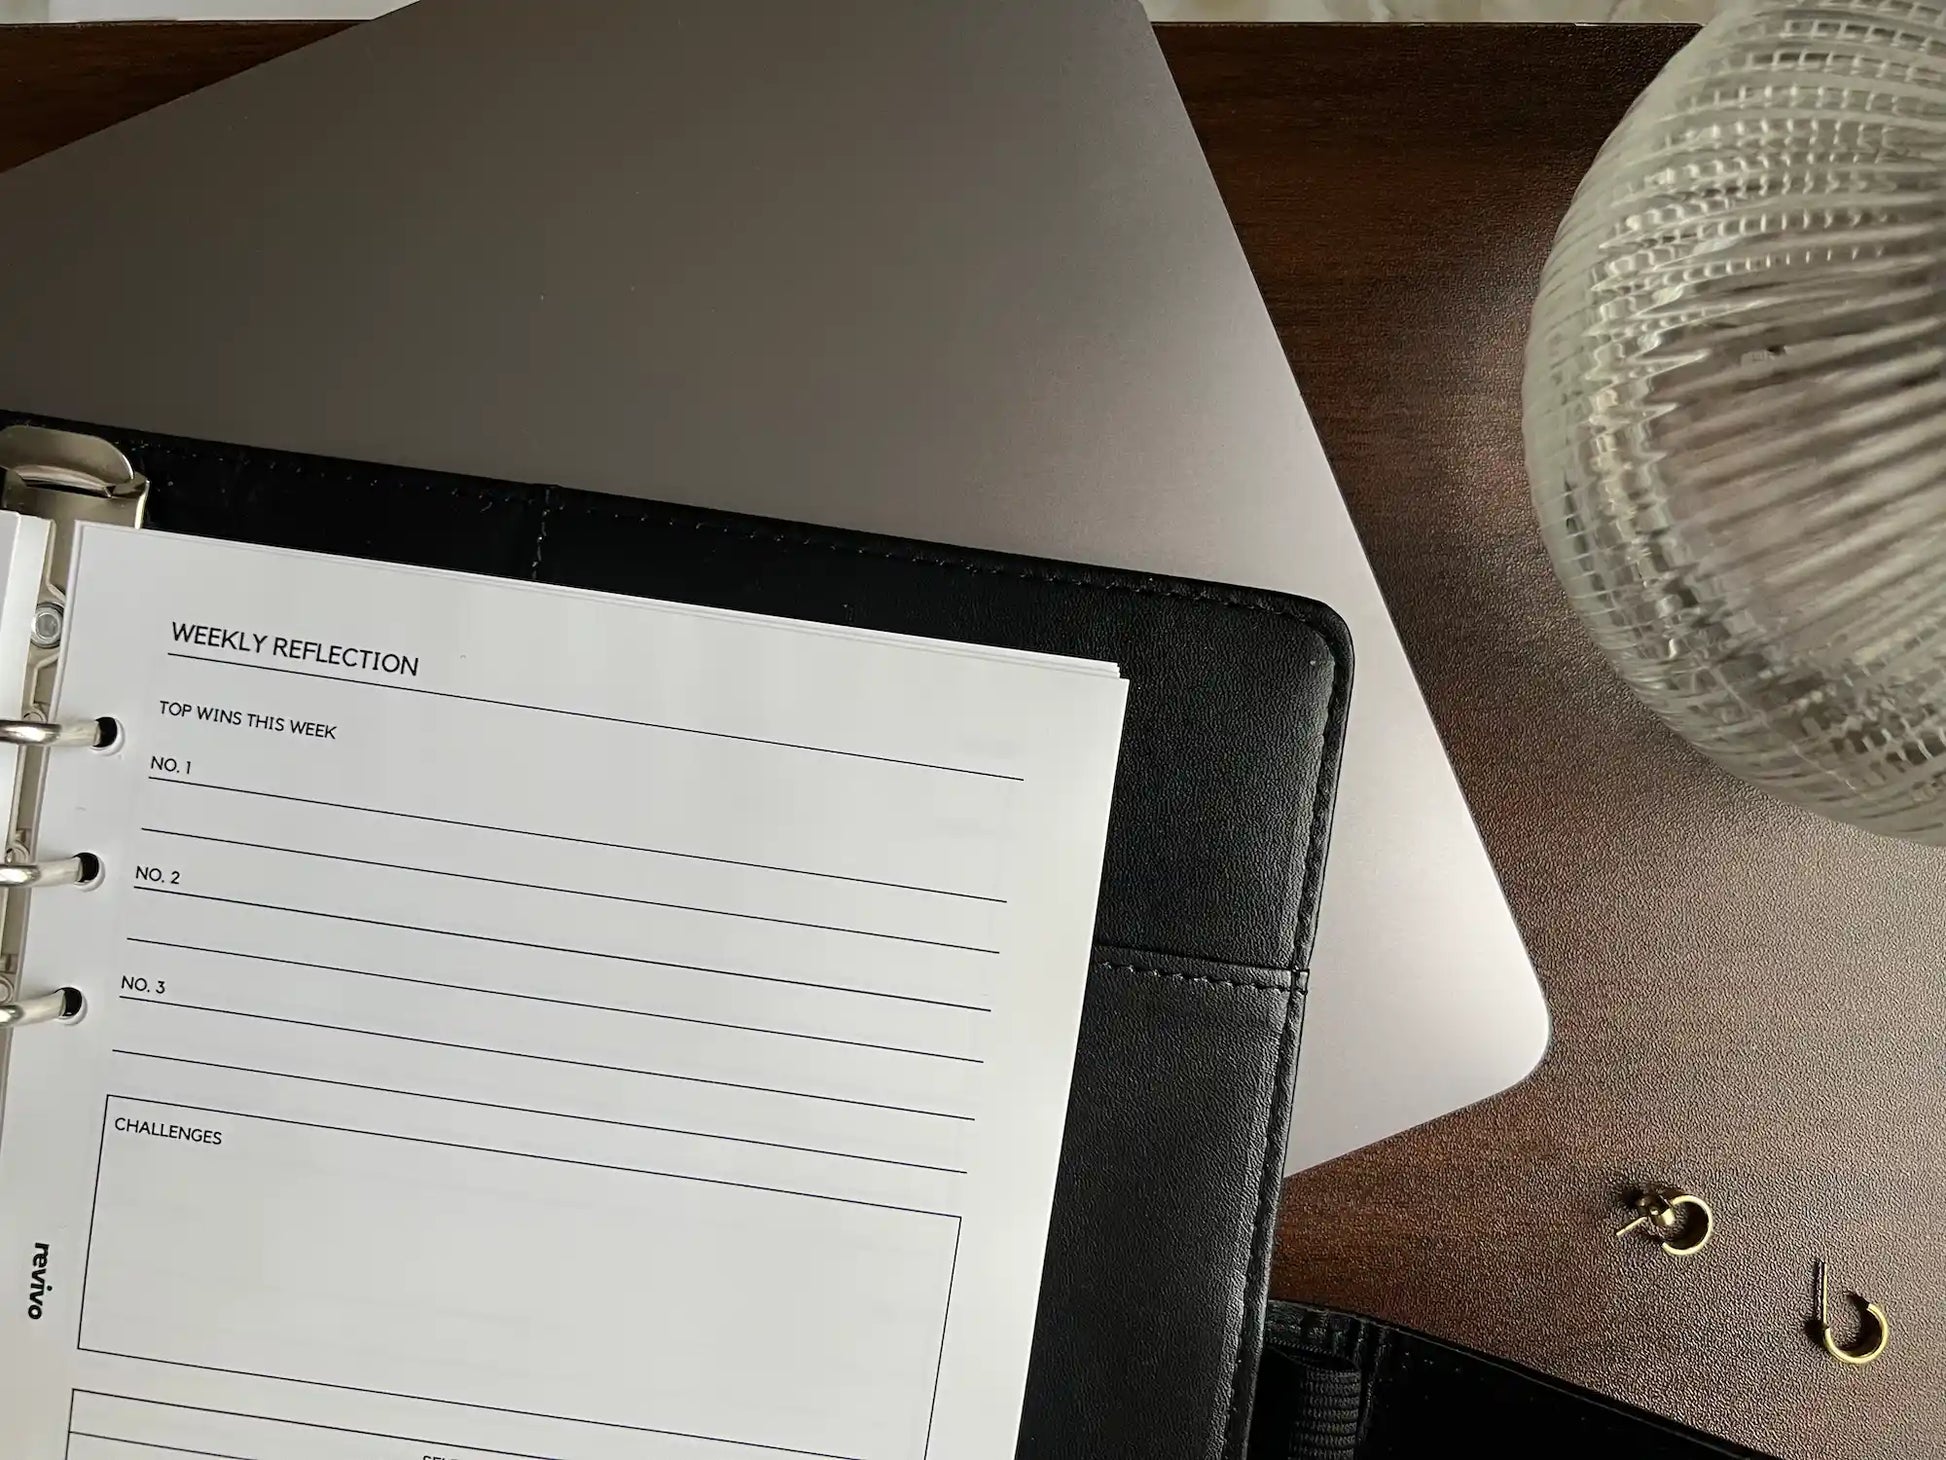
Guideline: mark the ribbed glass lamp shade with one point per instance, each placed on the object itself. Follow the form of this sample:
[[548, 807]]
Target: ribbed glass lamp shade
[[1736, 404]]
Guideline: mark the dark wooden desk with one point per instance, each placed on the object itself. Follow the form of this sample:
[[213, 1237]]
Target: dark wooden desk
[[1747, 1001]]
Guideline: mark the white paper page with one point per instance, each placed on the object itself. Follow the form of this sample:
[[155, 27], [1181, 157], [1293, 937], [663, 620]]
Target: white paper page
[[23, 554], [535, 1023]]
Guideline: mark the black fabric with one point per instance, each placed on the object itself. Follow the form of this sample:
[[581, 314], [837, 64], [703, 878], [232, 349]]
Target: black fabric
[[1308, 1407], [1338, 1387], [1157, 1265]]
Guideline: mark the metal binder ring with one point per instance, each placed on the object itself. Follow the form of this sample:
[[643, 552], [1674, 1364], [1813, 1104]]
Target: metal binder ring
[[63, 872], [42, 1008], [43, 733]]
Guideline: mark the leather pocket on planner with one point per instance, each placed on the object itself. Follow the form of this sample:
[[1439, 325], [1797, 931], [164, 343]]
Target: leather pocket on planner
[[1153, 1198]]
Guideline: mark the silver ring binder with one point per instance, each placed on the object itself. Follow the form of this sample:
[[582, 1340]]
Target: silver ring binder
[[62, 873], [42, 1008], [67, 479], [40, 733]]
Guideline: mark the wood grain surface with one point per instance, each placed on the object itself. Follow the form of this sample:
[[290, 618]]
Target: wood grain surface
[[1748, 1001]]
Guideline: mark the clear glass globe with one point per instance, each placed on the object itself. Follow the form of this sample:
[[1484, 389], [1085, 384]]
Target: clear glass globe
[[1736, 403]]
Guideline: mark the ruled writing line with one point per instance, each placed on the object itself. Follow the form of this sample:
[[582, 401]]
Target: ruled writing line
[[153, 1445], [443, 694], [528, 882], [673, 1130], [550, 1059], [580, 841], [606, 1424], [299, 1424], [801, 983], [434, 983], [387, 1135]]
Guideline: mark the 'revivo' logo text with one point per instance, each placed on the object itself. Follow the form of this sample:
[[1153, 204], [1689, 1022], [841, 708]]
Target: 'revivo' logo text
[[37, 1285]]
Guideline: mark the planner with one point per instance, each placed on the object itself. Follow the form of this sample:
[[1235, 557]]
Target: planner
[[463, 1016], [461, 953]]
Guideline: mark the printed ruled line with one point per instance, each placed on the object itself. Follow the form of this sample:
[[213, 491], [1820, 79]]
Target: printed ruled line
[[296, 1424], [470, 988], [579, 841], [75, 1434], [549, 1059], [939, 1363], [799, 983], [94, 1205], [443, 694], [604, 1424], [386, 1135], [526, 882], [673, 1130]]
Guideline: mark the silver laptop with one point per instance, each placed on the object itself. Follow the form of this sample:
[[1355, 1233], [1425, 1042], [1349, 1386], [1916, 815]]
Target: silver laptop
[[748, 254]]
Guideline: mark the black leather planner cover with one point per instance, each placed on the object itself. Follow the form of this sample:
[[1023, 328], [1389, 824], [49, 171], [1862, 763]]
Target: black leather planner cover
[[1338, 1387], [1158, 1261]]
